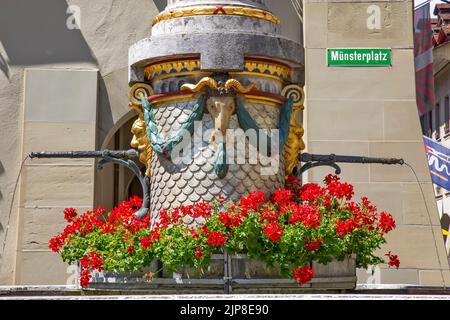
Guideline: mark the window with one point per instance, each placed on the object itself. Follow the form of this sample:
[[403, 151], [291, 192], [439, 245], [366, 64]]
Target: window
[[423, 124], [447, 114], [436, 127], [430, 123]]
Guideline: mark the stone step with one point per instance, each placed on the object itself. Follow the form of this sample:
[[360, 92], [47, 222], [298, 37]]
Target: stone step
[[364, 292]]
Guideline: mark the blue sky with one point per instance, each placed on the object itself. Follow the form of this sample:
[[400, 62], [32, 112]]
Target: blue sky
[[433, 3]]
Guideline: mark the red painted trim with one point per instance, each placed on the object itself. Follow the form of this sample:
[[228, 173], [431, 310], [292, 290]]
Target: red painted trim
[[166, 95], [268, 95], [220, 9]]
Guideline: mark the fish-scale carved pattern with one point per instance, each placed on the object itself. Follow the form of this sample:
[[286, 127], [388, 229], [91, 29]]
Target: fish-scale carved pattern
[[181, 184]]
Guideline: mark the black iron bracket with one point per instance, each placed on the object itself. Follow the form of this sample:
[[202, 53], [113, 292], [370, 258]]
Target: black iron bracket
[[121, 157], [124, 158], [317, 160]]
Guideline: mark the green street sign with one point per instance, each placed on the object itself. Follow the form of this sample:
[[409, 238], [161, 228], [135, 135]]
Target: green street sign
[[359, 57]]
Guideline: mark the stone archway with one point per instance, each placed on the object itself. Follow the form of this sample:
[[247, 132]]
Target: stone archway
[[116, 183], [115, 118]]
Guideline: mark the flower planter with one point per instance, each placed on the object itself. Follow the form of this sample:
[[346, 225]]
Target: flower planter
[[246, 277], [250, 276], [293, 228]]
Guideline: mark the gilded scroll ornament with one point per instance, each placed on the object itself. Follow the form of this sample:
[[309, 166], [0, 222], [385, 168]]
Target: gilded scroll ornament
[[294, 144], [201, 86], [140, 139], [296, 93], [235, 85], [137, 90]]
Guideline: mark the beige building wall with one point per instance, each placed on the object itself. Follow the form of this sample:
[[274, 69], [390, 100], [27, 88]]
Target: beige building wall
[[372, 112], [60, 108], [35, 52]]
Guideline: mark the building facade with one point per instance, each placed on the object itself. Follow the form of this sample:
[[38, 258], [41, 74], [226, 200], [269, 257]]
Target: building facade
[[64, 86], [436, 122]]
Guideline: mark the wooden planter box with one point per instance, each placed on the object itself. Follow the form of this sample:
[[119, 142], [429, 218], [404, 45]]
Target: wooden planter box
[[237, 275]]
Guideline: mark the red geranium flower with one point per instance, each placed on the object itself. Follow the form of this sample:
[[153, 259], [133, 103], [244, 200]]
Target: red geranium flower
[[251, 202], [331, 178], [340, 190], [100, 210], [386, 223], [194, 234], [303, 275], [345, 227], [367, 204], [313, 244], [271, 215], [393, 260], [164, 218], [293, 183], [175, 216], [273, 231], [85, 278], [205, 230], [202, 209], [56, 243], [147, 242], [70, 214], [221, 198], [312, 219], [308, 215], [95, 261], [310, 192], [217, 239], [230, 220], [92, 261], [281, 196], [187, 210], [198, 253]]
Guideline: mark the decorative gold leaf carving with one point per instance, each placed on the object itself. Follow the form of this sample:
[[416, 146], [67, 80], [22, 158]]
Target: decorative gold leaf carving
[[140, 140], [191, 67], [294, 144]]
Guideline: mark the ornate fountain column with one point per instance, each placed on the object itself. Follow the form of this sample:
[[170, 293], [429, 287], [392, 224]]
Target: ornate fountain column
[[212, 67], [225, 64]]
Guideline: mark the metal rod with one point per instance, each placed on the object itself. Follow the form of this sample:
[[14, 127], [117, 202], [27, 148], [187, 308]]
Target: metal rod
[[120, 157], [317, 160], [130, 154], [307, 157]]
